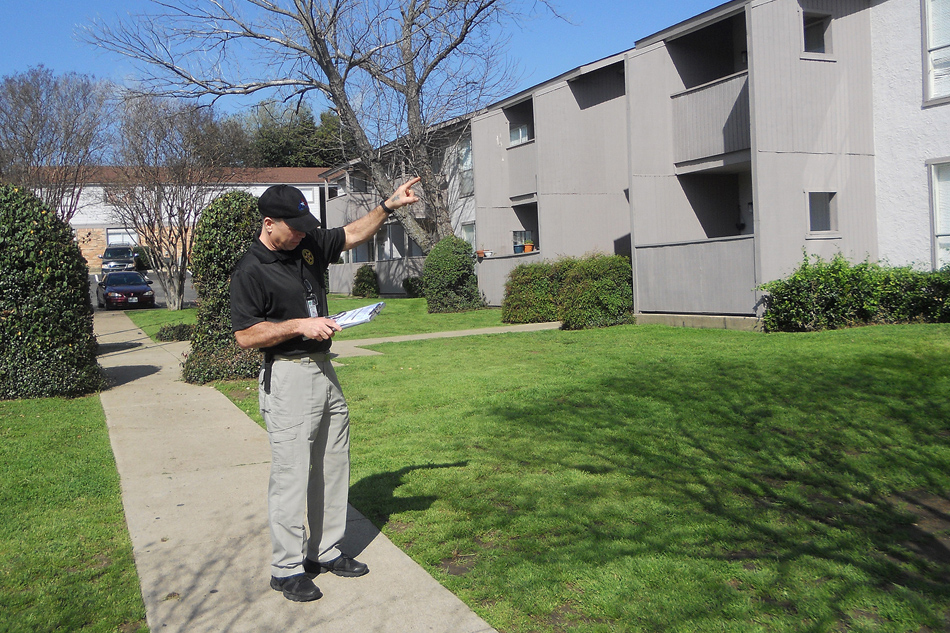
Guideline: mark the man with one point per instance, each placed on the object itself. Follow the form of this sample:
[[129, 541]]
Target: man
[[278, 305]]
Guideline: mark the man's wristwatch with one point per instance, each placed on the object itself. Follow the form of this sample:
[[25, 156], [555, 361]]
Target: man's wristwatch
[[388, 211]]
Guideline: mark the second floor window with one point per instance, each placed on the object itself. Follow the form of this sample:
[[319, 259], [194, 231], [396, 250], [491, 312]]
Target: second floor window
[[466, 180], [520, 134], [817, 33], [938, 48]]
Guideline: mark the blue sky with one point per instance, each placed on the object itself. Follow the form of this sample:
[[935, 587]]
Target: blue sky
[[43, 32]]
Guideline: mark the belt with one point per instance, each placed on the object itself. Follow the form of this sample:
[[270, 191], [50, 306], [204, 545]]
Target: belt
[[310, 358], [269, 359]]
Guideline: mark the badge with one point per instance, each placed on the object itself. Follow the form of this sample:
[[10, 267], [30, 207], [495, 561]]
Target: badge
[[308, 257]]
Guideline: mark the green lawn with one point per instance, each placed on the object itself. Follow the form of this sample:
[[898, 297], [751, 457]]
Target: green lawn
[[151, 321], [65, 553], [643, 478]]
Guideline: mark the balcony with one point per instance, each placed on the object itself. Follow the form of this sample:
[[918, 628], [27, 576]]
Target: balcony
[[707, 276], [712, 120], [523, 169]]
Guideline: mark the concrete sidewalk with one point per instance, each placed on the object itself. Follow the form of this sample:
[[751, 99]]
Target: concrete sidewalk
[[194, 471]]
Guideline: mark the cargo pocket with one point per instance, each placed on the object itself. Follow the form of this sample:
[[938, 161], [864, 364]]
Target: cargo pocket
[[283, 447]]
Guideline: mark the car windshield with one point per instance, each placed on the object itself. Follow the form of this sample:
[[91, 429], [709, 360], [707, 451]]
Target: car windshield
[[113, 253], [124, 279]]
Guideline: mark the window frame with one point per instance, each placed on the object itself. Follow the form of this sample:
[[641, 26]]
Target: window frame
[[827, 41], [930, 97], [465, 168], [832, 210], [936, 229]]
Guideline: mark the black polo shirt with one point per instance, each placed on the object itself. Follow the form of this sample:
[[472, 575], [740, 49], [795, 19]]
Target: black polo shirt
[[271, 285]]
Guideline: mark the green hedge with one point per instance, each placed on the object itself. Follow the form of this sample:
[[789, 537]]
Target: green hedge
[[530, 294], [413, 287], [224, 231], [834, 294], [448, 277], [595, 291], [365, 282], [176, 332], [47, 344]]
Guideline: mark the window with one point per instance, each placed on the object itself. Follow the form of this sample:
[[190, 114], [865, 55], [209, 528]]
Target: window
[[362, 253], [520, 122], [390, 242], [120, 236], [822, 212], [520, 134], [358, 184], [466, 179], [941, 194], [468, 233], [817, 33], [938, 48], [414, 249]]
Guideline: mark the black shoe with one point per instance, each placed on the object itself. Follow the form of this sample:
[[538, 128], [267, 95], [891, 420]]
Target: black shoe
[[341, 566], [299, 588]]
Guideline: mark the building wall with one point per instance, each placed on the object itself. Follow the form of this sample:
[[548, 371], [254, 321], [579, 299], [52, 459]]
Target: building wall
[[570, 181], [661, 211], [581, 133], [812, 131], [908, 133]]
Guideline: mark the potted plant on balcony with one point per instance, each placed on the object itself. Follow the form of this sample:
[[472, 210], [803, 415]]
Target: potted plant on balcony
[[528, 245]]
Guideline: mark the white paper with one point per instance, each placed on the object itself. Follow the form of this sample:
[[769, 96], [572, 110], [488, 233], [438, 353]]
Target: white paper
[[358, 316]]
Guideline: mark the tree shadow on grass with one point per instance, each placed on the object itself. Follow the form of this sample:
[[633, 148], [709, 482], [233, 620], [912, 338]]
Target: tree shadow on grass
[[770, 467]]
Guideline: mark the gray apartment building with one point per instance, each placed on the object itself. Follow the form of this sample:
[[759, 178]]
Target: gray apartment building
[[720, 151]]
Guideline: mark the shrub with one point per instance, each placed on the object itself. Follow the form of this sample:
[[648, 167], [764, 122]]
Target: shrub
[[224, 231], [176, 332], [833, 294], [448, 277], [596, 291], [412, 286], [47, 345], [365, 283], [143, 262], [530, 294]]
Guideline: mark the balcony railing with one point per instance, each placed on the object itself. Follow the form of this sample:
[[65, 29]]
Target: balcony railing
[[708, 276], [712, 119], [523, 169]]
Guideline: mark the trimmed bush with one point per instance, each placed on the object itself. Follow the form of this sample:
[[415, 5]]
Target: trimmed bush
[[47, 345], [413, 287], [596, 291], [224, 232], [834, 294], [176, 332], [365, 283], [448, 277], [530, 294]]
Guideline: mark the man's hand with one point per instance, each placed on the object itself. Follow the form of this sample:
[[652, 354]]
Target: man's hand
[[404, 195], [270, 333], [319, 328]]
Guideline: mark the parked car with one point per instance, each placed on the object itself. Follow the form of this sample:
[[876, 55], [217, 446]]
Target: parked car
[[125, 289], [117, 258]]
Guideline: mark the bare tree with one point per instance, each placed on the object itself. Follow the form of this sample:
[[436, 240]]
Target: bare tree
[[173, 158], [53, 133], [391, 68]]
